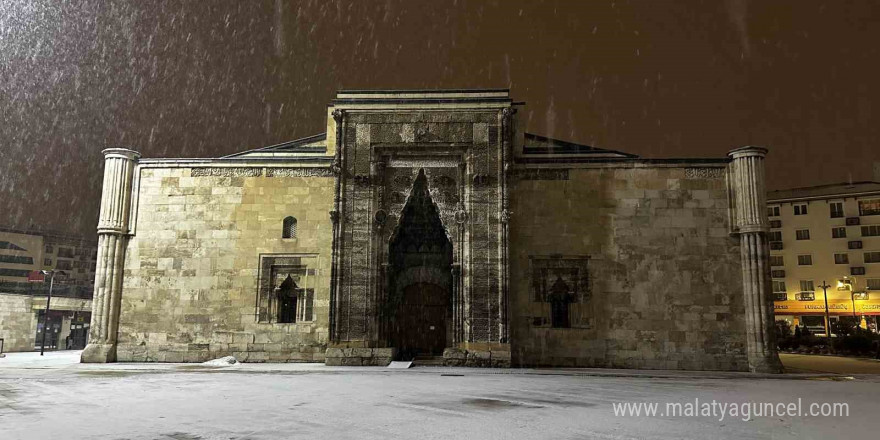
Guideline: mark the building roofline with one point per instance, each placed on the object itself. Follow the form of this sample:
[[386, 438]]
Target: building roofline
[[577, 148], [846, 189], [642, 160], [45, 233], [411, 91]]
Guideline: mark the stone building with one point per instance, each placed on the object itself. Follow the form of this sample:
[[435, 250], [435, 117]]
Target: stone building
[[429, 223]]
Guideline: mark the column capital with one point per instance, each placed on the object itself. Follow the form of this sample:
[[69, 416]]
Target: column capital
[[122, 153], [747, 151]]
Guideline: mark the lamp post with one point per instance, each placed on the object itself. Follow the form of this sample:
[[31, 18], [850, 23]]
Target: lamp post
[[825, 287], [849, 284], [51, 274]]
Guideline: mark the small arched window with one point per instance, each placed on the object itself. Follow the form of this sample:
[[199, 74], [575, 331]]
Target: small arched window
[[289, 228]]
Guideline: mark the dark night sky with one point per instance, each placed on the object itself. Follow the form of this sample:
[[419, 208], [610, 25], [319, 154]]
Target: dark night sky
[[202, 79]]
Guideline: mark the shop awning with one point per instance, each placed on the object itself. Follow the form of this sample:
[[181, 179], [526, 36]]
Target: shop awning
[[835, 307]]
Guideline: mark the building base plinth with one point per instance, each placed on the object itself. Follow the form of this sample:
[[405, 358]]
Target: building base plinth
[[356, 357], [99, 354], [766, 364], [460, 357]]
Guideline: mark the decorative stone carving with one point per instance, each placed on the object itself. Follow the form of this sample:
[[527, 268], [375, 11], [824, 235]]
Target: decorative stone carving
[[359, 287], [226, 172], [362, 180], [574, 271], [274, 269], [380, 218], [704, 173], [443, 182], [540, 174], [337, 115], [402, 181], [299, 172], [461, 215], [561, 282], [482, 180], [507, 113]]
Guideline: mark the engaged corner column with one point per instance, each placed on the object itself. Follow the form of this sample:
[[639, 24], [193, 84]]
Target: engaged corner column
[[113, 229], [750, 219]]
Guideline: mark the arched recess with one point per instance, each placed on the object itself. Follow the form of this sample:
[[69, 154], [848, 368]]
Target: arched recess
[[287, 297], [420, 278], [289, 228]]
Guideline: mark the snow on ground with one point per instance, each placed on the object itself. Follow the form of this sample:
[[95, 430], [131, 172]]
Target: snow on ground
[[176, 401], [50, 359]]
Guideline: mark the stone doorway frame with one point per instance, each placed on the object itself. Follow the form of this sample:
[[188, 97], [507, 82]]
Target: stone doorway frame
[[466, 164]]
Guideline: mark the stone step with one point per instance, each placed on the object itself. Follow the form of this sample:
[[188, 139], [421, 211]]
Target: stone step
[[428, 361]]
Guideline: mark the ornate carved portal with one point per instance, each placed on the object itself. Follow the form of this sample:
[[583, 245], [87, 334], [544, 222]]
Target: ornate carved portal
[[419, 299], [421, 230]]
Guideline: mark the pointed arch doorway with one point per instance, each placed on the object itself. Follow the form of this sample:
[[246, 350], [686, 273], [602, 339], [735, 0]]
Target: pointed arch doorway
[[420, 288]]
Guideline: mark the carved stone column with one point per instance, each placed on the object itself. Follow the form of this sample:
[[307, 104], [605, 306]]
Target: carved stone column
[[505, 214], [113, 229], [746, 174], [336, 219]]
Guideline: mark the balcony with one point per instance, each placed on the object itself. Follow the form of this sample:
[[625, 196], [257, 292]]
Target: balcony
[[852, 221], [857, 270], [777, 274], [780, 296], [805, 296], [775, 223], [857, 244], [776, 245]]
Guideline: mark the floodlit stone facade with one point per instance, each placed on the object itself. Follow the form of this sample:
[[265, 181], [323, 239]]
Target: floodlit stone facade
[[428, 223]]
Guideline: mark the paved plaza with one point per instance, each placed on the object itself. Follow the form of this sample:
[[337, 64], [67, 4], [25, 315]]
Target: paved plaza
[[55, 397]]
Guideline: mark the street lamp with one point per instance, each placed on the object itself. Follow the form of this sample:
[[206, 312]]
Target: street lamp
[[848, 283], [51, 273], [825, 287]]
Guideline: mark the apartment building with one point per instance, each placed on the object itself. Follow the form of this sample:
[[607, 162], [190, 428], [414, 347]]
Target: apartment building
[[23, 304], [825, 243]]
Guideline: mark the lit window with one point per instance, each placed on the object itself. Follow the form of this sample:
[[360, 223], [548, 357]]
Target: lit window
[[870, 231], [289, 228], [807, 286], [869, 207], [805, 296], [778, 286]]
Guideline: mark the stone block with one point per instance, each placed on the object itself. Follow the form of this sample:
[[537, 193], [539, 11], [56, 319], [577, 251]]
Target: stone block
[[351, 361], [454, 353]]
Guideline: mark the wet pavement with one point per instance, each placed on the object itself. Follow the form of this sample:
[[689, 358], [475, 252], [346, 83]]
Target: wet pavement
[[57, 397], [807, 363]]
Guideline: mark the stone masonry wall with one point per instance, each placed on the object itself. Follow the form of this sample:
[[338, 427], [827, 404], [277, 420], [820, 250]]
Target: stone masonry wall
[[664, 285], [192, 266], [18, 322]]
